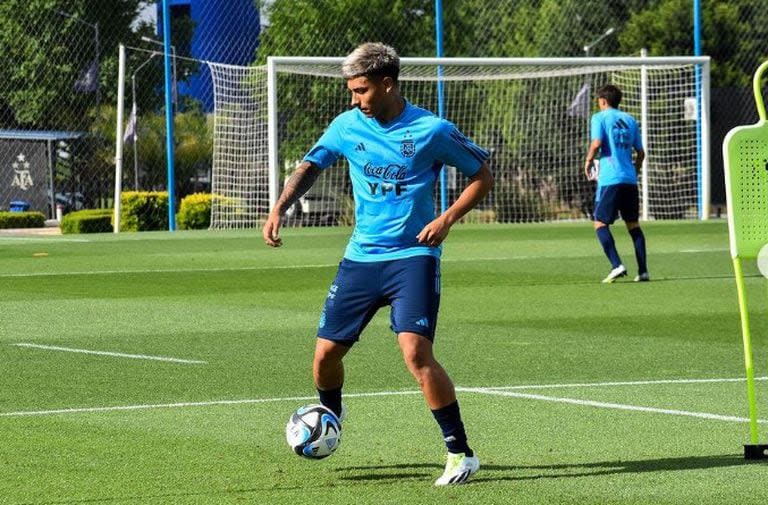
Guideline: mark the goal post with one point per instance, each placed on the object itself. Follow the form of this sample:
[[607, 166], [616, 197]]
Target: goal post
[[531, 113]]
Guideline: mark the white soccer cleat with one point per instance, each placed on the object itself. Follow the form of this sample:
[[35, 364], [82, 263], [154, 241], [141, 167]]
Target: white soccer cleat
[[644, 277], [619, 271], [458, 469]]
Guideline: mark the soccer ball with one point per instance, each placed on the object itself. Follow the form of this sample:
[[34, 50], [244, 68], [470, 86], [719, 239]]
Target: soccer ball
[[313, 431]]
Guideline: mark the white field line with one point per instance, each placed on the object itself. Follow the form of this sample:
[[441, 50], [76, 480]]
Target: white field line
[[619, 383], [605, 405], [195, 404], [41, 239], [713, 249], [108, 353], [166, 270], [489, 391], [272, 267]]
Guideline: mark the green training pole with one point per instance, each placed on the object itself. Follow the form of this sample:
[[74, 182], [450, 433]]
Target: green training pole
[[745, 156], [747, 339], [756, 89]]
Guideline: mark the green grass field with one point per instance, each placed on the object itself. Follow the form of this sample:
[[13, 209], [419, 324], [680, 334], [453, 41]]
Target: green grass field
[[573, 392]]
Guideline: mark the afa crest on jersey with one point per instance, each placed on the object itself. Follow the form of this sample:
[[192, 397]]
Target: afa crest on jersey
[[408, 148]]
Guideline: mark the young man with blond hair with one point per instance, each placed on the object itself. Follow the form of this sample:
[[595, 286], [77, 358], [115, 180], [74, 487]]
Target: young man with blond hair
[[394, 150]]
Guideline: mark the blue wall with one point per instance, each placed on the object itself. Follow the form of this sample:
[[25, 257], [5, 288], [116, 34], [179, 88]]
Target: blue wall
[[226, 31]]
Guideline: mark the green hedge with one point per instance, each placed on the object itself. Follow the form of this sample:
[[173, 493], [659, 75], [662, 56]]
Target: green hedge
[[22, 220], [144, 210], [87, 221], [195, 212]]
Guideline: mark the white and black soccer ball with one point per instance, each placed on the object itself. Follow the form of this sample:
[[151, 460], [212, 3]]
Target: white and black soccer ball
[[313, 431]]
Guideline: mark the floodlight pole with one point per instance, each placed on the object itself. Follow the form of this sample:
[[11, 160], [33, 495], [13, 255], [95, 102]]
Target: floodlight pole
[[173, 52], [135, 110], [592, 44]]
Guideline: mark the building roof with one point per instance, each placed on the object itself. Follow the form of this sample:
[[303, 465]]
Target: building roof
[[39, 134]]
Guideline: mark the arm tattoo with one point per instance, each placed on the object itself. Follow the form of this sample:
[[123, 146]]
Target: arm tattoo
[[302, 179]]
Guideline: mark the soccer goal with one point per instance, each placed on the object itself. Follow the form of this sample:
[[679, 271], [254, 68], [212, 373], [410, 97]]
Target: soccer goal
[[532, 114]]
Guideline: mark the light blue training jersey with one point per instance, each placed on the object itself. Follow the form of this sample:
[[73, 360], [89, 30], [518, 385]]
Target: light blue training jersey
[[393, 168], [619, 134]]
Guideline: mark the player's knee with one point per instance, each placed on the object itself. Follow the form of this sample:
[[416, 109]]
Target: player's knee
[[324, 360], [417, 354], [415, 360], [328, 355], [420, 363]]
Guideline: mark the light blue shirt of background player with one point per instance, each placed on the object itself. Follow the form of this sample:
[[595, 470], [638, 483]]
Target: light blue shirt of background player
[[393, 168], [619, 134]]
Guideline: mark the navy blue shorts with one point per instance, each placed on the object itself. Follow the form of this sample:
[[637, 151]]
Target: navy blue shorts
[[615, 199], [410, 285]]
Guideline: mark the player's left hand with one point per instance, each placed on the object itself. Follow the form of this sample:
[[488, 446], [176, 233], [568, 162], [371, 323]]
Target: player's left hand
[[434, 233]]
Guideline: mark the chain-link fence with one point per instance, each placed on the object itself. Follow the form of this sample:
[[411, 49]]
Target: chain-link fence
[[58, 74]]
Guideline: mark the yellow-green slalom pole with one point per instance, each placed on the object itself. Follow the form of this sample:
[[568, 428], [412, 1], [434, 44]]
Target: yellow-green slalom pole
[[747, 339], [758, 92], [744, 153], [746, 334]]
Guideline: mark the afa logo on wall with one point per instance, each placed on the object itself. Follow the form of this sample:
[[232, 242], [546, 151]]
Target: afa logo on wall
[[25, 174], [22, 178]]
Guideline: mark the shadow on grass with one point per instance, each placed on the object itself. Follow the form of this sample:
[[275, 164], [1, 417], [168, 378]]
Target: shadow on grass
[[427, 471], [493, 472]]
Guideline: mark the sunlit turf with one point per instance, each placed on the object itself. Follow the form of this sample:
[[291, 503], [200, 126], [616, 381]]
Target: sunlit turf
[[522, 310]]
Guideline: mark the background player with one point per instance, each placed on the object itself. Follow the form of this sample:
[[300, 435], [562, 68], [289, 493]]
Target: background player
[[615, 134]]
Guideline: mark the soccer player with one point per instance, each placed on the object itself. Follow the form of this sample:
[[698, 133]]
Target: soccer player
[[394, 150], [615, 135]]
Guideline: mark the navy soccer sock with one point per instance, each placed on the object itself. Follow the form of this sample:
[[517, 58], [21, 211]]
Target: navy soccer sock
[[638, 238], [609, 246], [449, 419], [331, 399]]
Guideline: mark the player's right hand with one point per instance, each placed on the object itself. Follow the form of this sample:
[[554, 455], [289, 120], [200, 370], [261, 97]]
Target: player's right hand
[[590, 170], [271, 231]]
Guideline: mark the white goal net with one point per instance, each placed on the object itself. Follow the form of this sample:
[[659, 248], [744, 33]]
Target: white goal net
[[531, 114], [240, 172]]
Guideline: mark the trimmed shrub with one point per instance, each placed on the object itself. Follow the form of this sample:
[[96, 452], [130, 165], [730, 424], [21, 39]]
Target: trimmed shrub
[[144, 210], [87, 221], [22, 220], [195, 212]]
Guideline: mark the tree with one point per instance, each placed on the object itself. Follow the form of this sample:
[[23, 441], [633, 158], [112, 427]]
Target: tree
[[50, 45], [733, 33], [334, 27]]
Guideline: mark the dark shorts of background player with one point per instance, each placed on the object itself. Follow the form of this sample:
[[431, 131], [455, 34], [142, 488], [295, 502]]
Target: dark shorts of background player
[[615, 199], [410, 285]]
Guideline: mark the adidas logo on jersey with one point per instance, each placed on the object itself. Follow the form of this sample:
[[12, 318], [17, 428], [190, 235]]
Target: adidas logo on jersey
[[360, 147]]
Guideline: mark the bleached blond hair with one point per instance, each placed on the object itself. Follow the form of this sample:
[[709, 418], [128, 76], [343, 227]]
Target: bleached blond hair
[[372, 59]]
